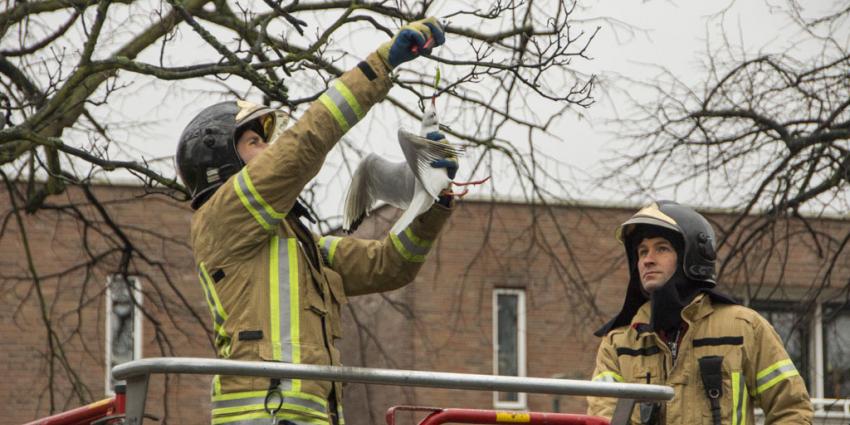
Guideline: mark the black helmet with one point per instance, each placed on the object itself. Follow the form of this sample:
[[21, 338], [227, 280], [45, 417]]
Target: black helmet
[[206, 154], [696, 232]]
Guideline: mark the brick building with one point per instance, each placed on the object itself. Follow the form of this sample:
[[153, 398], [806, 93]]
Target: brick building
[[537, 280]]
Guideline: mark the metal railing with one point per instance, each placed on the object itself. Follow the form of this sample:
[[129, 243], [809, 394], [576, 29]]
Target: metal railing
[[137, 374]]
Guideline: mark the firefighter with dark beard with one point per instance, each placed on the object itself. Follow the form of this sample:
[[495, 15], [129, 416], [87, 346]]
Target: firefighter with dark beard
[[674, 329], [273, 288]]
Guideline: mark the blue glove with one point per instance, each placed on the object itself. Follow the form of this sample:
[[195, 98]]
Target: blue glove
[[450, 164], [411, 41]]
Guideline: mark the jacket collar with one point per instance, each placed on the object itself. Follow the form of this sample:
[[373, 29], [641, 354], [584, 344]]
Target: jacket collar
[[700, 307]]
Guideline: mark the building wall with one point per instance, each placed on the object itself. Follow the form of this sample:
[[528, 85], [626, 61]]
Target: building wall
[[72, 287], [565, 258]]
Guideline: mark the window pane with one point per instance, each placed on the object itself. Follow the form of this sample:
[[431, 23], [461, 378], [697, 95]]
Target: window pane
[[836, 353], [792, 328], [508, 339]]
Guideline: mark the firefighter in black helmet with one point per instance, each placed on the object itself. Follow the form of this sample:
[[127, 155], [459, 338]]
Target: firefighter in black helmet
[[675, 329], [274, 289]]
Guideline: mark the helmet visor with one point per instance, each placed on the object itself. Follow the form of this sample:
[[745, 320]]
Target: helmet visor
[[649, 215]]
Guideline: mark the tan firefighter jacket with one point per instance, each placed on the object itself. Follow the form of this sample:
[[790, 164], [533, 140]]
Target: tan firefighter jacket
[[275, 290], [755, 368]]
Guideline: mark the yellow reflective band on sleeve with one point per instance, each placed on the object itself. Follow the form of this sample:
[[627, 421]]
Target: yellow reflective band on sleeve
[[608, 376], [405, 252], [254, 203], [417, 240], [343, 124], [342, 104], [350, 99], [410, 246], [739, 399], [774, 374], [327, 245]]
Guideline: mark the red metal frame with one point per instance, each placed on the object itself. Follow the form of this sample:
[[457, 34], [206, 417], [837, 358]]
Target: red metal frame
[[85, 415], [495, 417]]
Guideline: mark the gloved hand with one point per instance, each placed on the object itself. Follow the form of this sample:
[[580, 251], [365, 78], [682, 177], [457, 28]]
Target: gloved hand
[[411, 41], [449, 163]]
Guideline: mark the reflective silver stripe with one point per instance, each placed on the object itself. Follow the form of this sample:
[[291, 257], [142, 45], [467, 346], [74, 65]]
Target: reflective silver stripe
[[741, 400], [786, 367], [411, 246], [340, 102], [284, 301], [327, 248], [296, 401], [256, 206], [605, 378]]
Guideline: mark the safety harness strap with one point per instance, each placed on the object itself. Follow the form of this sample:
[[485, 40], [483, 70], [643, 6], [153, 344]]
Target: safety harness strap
[[710, 368]]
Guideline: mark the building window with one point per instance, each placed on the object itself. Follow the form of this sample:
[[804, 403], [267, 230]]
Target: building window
[[836, 351], [123, 324], [509, 343]]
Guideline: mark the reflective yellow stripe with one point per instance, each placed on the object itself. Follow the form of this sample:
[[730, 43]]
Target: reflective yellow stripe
[[261, 406], [739, 400], [774, 374], [274, 297], [407, 255], [211, 286], [342, 104], [217, 312], [608, 376], [328, 245], [284, 304], [239, 395], [263, 418], [343, 124], [294, 308], [216, 384], [349, 98], [417, 240], [254, 203]]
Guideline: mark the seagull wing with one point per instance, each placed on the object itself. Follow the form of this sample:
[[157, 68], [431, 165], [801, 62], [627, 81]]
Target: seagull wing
[[420, 153], [376, 179]]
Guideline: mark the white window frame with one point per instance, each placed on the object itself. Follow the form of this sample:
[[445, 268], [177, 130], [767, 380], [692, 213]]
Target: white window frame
[[137, 327], [522, 398]]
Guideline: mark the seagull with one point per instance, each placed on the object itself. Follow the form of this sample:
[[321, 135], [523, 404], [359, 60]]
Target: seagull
[[412, 185]]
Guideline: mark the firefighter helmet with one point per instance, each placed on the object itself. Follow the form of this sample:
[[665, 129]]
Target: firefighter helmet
[[699, 257], [206, 154]]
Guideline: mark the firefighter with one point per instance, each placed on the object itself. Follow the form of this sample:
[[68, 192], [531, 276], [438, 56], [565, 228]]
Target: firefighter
[[720, 358], [274, 289]]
